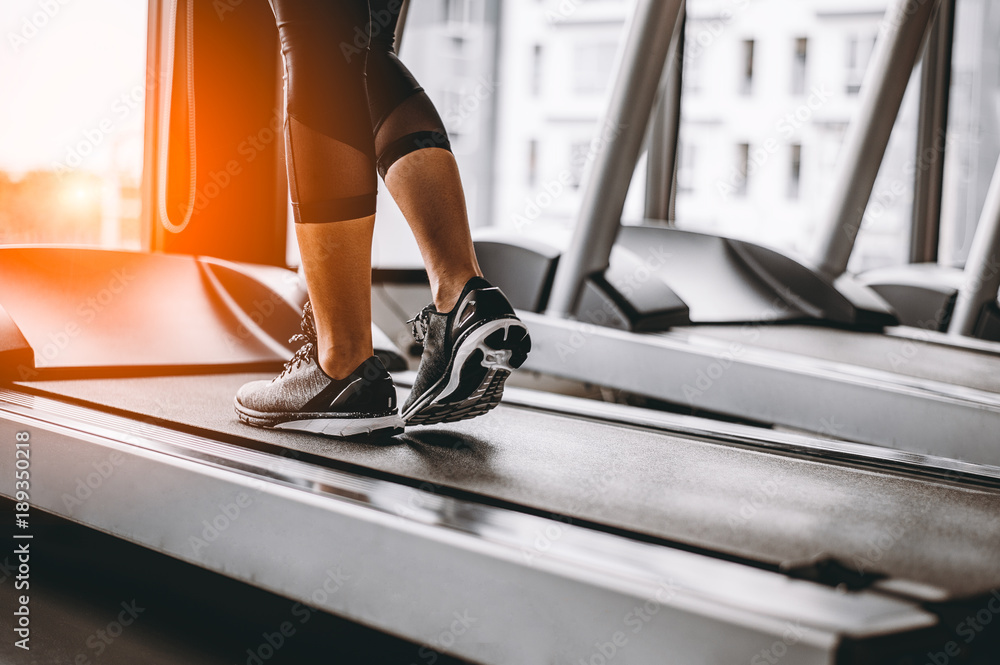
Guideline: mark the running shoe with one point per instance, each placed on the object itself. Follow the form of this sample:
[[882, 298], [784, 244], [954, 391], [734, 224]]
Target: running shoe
[[468, 354], [304, 398]]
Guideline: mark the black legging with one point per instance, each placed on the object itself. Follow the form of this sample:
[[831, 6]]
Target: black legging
[[351, 106]]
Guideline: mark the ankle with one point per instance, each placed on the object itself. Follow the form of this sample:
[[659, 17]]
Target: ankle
[[338, 364], [448, 290]]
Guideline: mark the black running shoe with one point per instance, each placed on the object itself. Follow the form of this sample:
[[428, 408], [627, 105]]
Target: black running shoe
[[304, 398], [468, 354]]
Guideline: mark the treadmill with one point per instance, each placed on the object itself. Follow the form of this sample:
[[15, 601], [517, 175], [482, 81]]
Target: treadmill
[[560, 526], [728, 327], [559, 529]]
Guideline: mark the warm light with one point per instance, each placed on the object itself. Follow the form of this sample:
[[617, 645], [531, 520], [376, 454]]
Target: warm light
[[80, 195]]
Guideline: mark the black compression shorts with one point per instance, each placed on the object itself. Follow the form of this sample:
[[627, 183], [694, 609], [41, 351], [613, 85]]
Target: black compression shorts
[[351, 106]]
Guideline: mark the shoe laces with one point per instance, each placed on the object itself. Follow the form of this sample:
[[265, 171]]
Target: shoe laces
[[420, 323], [307, 351]]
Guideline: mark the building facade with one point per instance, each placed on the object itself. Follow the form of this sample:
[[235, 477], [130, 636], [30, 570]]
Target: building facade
[[770, 87]]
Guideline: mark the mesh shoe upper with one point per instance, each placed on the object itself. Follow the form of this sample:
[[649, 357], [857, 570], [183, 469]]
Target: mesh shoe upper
[[303, 386], [480, 302], [307, 389]]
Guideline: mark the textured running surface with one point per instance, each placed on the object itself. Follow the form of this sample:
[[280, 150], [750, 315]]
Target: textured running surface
[[764, 506]]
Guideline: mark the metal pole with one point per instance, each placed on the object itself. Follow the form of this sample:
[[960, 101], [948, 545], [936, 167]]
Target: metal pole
[[658, 161], [674, 122], [935, 86], [150, 228], [487, 190], [901, 36], [617, 148], [404, 10], [982, 270], [661, 161]]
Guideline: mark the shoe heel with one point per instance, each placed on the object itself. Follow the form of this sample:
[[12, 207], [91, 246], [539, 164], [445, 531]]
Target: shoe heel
[[507, 347]]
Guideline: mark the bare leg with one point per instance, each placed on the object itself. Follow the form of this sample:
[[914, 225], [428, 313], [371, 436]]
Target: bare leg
[[428, 190], [333, 183], [336, 258]]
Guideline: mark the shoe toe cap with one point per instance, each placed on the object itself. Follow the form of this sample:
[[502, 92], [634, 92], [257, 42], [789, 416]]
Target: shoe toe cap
[[249, 395]]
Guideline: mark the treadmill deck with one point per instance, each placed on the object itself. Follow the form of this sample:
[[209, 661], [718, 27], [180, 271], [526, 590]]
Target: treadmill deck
[[768, 507]]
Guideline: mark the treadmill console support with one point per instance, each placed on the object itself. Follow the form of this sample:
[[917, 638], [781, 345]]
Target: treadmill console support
[[661, 276]]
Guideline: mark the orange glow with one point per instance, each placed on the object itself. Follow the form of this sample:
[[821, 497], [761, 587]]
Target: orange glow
[[77, 122], [80, 195]]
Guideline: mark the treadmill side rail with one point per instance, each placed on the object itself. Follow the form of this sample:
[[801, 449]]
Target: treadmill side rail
[[762, 385]]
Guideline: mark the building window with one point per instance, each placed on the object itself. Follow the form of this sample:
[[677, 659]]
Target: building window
[[592, 67], [746, 69], [794, 170], [459, 12], [859, 52], [693, 53], [686, 162], [580, 155], [536, 71], [799, 66], [532, 162], [742, 164]]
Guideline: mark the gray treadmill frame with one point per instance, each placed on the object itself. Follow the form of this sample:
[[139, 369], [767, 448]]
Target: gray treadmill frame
[[461, 558], [664, 132], [979, 283], [827, 392], [932, 127], [902, 35], [833, 399], [981, 276], [643, 59]]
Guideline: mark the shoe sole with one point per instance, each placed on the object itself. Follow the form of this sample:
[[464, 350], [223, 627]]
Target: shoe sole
[[318, 423], [484, 359]]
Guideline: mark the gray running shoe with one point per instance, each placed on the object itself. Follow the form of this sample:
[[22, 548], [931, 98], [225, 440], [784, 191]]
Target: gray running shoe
[[468, 354], [304, 398]]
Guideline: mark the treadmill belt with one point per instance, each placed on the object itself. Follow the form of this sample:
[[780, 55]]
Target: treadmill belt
[[759, 505]]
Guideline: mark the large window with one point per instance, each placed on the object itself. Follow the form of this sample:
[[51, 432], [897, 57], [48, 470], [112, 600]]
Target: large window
[[71, 124], [523, 102]]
